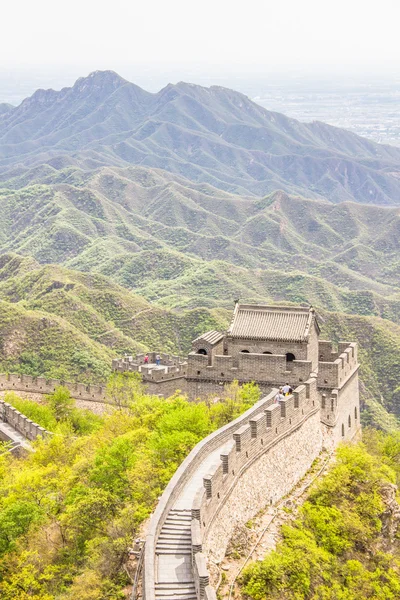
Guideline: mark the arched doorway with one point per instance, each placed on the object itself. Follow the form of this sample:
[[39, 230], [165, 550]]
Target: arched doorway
[[244, 352], [290, 357], [202, 351], [267, 352]]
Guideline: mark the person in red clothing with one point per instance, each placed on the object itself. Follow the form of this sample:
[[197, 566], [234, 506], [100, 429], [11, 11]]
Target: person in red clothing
[[146, 359]]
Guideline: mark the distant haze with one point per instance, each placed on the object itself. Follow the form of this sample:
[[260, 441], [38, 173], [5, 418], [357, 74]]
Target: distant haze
[[99, 35]]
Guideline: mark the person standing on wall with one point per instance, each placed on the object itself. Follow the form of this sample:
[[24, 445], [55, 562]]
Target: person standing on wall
[[287, 390], [158, 360]]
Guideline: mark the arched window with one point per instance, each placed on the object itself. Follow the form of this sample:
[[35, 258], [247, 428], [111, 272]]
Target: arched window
[[342, 430], [244, 351], [267, 352], [349, 421], [202, 351], [355, 412], [290, 357]]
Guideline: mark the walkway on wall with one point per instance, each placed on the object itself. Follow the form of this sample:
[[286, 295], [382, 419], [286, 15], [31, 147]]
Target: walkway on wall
[[175, 578], [9, 434]]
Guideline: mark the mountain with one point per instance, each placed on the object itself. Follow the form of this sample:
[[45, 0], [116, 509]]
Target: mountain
[[189, 245], [5, 107], [208, 135], [124, 256], [65, 324]]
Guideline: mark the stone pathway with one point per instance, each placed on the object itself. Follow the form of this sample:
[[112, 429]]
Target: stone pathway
[[8, 433], [175, 580], [174, 558]]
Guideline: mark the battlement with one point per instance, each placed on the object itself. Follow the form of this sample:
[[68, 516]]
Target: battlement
[[247, 444], [171, 366], [343, 363], [21, 423], [41, 385]]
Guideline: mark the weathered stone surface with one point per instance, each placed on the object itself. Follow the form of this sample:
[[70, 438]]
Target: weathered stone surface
[[266, 480]]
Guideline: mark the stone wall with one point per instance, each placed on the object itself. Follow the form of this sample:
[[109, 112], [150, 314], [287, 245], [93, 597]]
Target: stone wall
[[267, 368], [263, 482], [21, 423], [41, 385], [266, 458], [167, 387], [200, 388], [343, 424]]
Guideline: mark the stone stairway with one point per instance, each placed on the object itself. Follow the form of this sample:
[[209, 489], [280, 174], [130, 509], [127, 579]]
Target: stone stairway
[[174, 557]]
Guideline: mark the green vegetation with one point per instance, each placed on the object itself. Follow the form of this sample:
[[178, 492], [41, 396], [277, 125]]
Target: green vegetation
[[70, 510], [69, 325], [344, 545], [58, 413]]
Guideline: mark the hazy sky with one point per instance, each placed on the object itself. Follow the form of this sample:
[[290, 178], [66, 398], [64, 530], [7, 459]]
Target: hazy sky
[[98, 34]]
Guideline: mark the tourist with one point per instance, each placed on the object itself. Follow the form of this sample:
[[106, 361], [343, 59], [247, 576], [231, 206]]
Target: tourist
[[287, 390], [146, 359], [158, 360], [279, 396]]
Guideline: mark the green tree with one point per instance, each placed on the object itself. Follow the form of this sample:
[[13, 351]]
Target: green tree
[[124, 388], [61, 403]]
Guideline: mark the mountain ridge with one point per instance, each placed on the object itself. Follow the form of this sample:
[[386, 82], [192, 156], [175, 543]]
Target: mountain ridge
[[212, 135]]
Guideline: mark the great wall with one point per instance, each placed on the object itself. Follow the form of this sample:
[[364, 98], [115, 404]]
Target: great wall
[[253, 461]]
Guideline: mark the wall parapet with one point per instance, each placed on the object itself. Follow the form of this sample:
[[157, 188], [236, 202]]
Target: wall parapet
[[30, 430], [171, 366], [248, 443], [179, 480], [40, 385], [333, 374]]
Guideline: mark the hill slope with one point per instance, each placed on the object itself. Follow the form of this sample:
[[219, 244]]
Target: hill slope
[[189, 245], [62, 323], [210, 135], [65, 324]]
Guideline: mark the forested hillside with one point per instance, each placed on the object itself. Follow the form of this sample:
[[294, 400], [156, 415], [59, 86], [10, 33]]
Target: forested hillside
[[102, 252], [344, 542]]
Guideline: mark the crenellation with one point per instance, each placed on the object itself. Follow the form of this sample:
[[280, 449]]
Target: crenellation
[[273, 416]]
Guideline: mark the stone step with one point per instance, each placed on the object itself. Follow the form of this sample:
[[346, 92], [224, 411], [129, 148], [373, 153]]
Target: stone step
[[174, 551], [178, 591], [178, 519], [167, 545], [180, 513], [181, 510], [167, 585], [177, 524], [191, 596], [176, 535]]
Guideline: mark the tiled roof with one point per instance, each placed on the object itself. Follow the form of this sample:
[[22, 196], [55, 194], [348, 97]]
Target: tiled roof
[[274, 323], [211, 337]]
